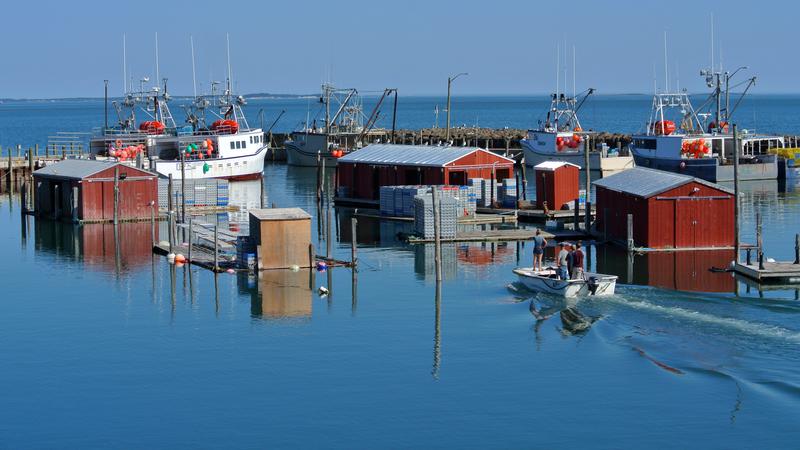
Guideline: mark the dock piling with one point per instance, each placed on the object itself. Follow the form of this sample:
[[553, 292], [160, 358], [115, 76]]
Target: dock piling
[[216, 248], [759, 242], [153, 223], [630, 232], [328, 231], [353, 244], [189, 251], [797, 248], [75, 204], [577, 217], [437, 242], [116, 195]]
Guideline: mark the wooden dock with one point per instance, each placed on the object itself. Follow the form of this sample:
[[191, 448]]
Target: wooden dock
[[779, 272], [538, 215], [486, 236], [477, 219]]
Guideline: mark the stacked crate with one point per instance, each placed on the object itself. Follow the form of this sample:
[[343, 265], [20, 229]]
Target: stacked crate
[[423, 216], [199, 192], [387, 200]]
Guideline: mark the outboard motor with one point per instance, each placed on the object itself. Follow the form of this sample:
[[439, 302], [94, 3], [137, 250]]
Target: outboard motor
[[593, 284]]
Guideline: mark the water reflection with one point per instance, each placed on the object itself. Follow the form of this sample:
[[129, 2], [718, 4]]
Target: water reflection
[[682, 271], [281, 294], [100, 246]]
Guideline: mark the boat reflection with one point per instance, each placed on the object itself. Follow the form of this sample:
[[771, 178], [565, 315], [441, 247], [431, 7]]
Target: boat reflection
[[101, 246], [281, 294], [681, 271]]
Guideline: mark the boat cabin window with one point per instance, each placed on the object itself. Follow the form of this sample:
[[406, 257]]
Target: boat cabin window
[[716, 146], [233, 145], [645, 143], [244, 144]]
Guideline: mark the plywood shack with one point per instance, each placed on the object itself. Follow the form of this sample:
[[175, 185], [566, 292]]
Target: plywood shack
[[282, 237], [556, 184]]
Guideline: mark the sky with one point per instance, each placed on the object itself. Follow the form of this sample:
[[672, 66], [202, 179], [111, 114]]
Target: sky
[[66, 49]]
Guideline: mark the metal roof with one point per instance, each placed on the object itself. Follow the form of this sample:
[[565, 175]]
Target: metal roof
[[74, 169], [279, 214], [553, 165], [412, 155], [643, 182]]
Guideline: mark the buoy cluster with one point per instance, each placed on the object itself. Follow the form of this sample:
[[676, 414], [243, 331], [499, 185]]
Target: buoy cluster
[[201, 150], [695, 148], [121, 152], [573, 142], [225, 126], [152, 127], [337, 153], [664, 127]]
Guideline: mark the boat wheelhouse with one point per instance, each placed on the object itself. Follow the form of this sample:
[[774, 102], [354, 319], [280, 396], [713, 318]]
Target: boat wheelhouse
[[562, 138]]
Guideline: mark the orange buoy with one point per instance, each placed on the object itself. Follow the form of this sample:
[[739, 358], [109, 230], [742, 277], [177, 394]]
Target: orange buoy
[[152, 127], [225, 126], [664, 127]]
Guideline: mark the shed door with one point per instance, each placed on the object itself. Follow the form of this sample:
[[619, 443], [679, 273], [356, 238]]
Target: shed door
[[692, 229]]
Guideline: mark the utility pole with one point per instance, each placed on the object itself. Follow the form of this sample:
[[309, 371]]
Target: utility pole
[[105, 96], [449, 82]]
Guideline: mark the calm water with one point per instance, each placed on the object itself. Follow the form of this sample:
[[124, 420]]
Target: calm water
[[104, 346]]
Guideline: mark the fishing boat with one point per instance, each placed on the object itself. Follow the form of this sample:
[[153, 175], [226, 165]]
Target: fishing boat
[[224, 148], [344, 128], [561, 138], [547, 281], [677, 140]]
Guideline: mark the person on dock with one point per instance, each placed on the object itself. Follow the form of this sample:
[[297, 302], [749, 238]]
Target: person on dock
[[539, 243], [570, 250], [577, 262], [563, 273]]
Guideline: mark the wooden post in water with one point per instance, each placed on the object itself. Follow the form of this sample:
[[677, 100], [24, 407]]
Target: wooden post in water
[[216, 248], [24, 199], [263, 197], [170, 194], [116, 195], [491, 187], [524, 180], [797, 248], [328, 232], [588, 213], [75, 204], [63, 152], [183, 185], [630, 232], [577, 218], [353, 243], [437, 250], [47, 151], [736, 243], [153, 223], [759, 242], [170, 235], [30, 160], [10, 173], [189, 251], [516, 188], [57, 195], [319, 177]]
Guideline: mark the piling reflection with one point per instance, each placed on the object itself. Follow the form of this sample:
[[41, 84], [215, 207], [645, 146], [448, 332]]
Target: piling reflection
[[100, 246], [437, 332], [681, 271], [281, 294]]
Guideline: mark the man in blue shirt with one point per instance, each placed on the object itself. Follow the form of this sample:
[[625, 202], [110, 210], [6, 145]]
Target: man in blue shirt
[[563, 273]]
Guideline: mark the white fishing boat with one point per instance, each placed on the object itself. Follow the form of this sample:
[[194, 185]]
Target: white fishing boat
[[561, 138], [547, 281]]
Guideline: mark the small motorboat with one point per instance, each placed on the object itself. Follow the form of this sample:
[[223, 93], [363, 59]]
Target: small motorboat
[[546, 280]]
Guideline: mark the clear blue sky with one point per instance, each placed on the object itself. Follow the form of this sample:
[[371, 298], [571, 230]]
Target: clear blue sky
[[66, 49]]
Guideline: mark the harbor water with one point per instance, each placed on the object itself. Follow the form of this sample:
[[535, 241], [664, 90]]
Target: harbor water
[[104, 345]]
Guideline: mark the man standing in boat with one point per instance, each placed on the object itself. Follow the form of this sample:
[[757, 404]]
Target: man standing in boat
[[577, 262], [539, 243], [563, 273]]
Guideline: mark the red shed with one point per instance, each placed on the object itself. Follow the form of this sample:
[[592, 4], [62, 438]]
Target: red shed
[[556, 183], [83, 191], [363, 172], [669, 210]]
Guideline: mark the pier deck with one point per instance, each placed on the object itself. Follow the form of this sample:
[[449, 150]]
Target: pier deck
[[773, 272], [486, 236]]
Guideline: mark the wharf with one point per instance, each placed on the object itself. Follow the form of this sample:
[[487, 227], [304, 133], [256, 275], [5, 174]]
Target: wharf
[[477, 219], [538, 215], [486, 236], [773, 272]]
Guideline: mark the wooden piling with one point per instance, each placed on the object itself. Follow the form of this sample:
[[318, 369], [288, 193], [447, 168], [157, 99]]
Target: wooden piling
[[183, 185], [319, 177], [437, 242], [153, 224], [759, 242], [189, 251], [116, 195], [524, 180], [75, 204], [216, 248], [353, 244], [328, 232], [736, 243], [797, 248], [577, 217], [10, 173], [630, 232]]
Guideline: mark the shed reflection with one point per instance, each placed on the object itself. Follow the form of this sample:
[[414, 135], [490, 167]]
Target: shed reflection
[[281, 294]]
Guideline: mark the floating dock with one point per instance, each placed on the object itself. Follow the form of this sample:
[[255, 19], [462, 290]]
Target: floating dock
[[779, 272], [486, 236]]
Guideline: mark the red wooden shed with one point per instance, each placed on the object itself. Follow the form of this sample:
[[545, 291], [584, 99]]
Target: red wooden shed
[[669, 210], [363, 172], [556, 183], [83, 191]]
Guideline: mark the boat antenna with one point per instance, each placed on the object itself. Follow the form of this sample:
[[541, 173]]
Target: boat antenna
[[228, 51], [677, 76], [158, 74], [666, 67], [712, 40], [194, 77], [573, 72], [558, 68], [124, 65], [565, 64]]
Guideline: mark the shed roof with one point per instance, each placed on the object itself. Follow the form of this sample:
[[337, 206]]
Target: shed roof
[[643, 182], [279, 214], [76, 169], [413, 155], [553, 165]]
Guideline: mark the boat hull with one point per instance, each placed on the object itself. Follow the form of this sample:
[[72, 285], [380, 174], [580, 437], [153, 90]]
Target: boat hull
[[236, 168], [709, 169], [604, 166], [544, 281], [306, 156]]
